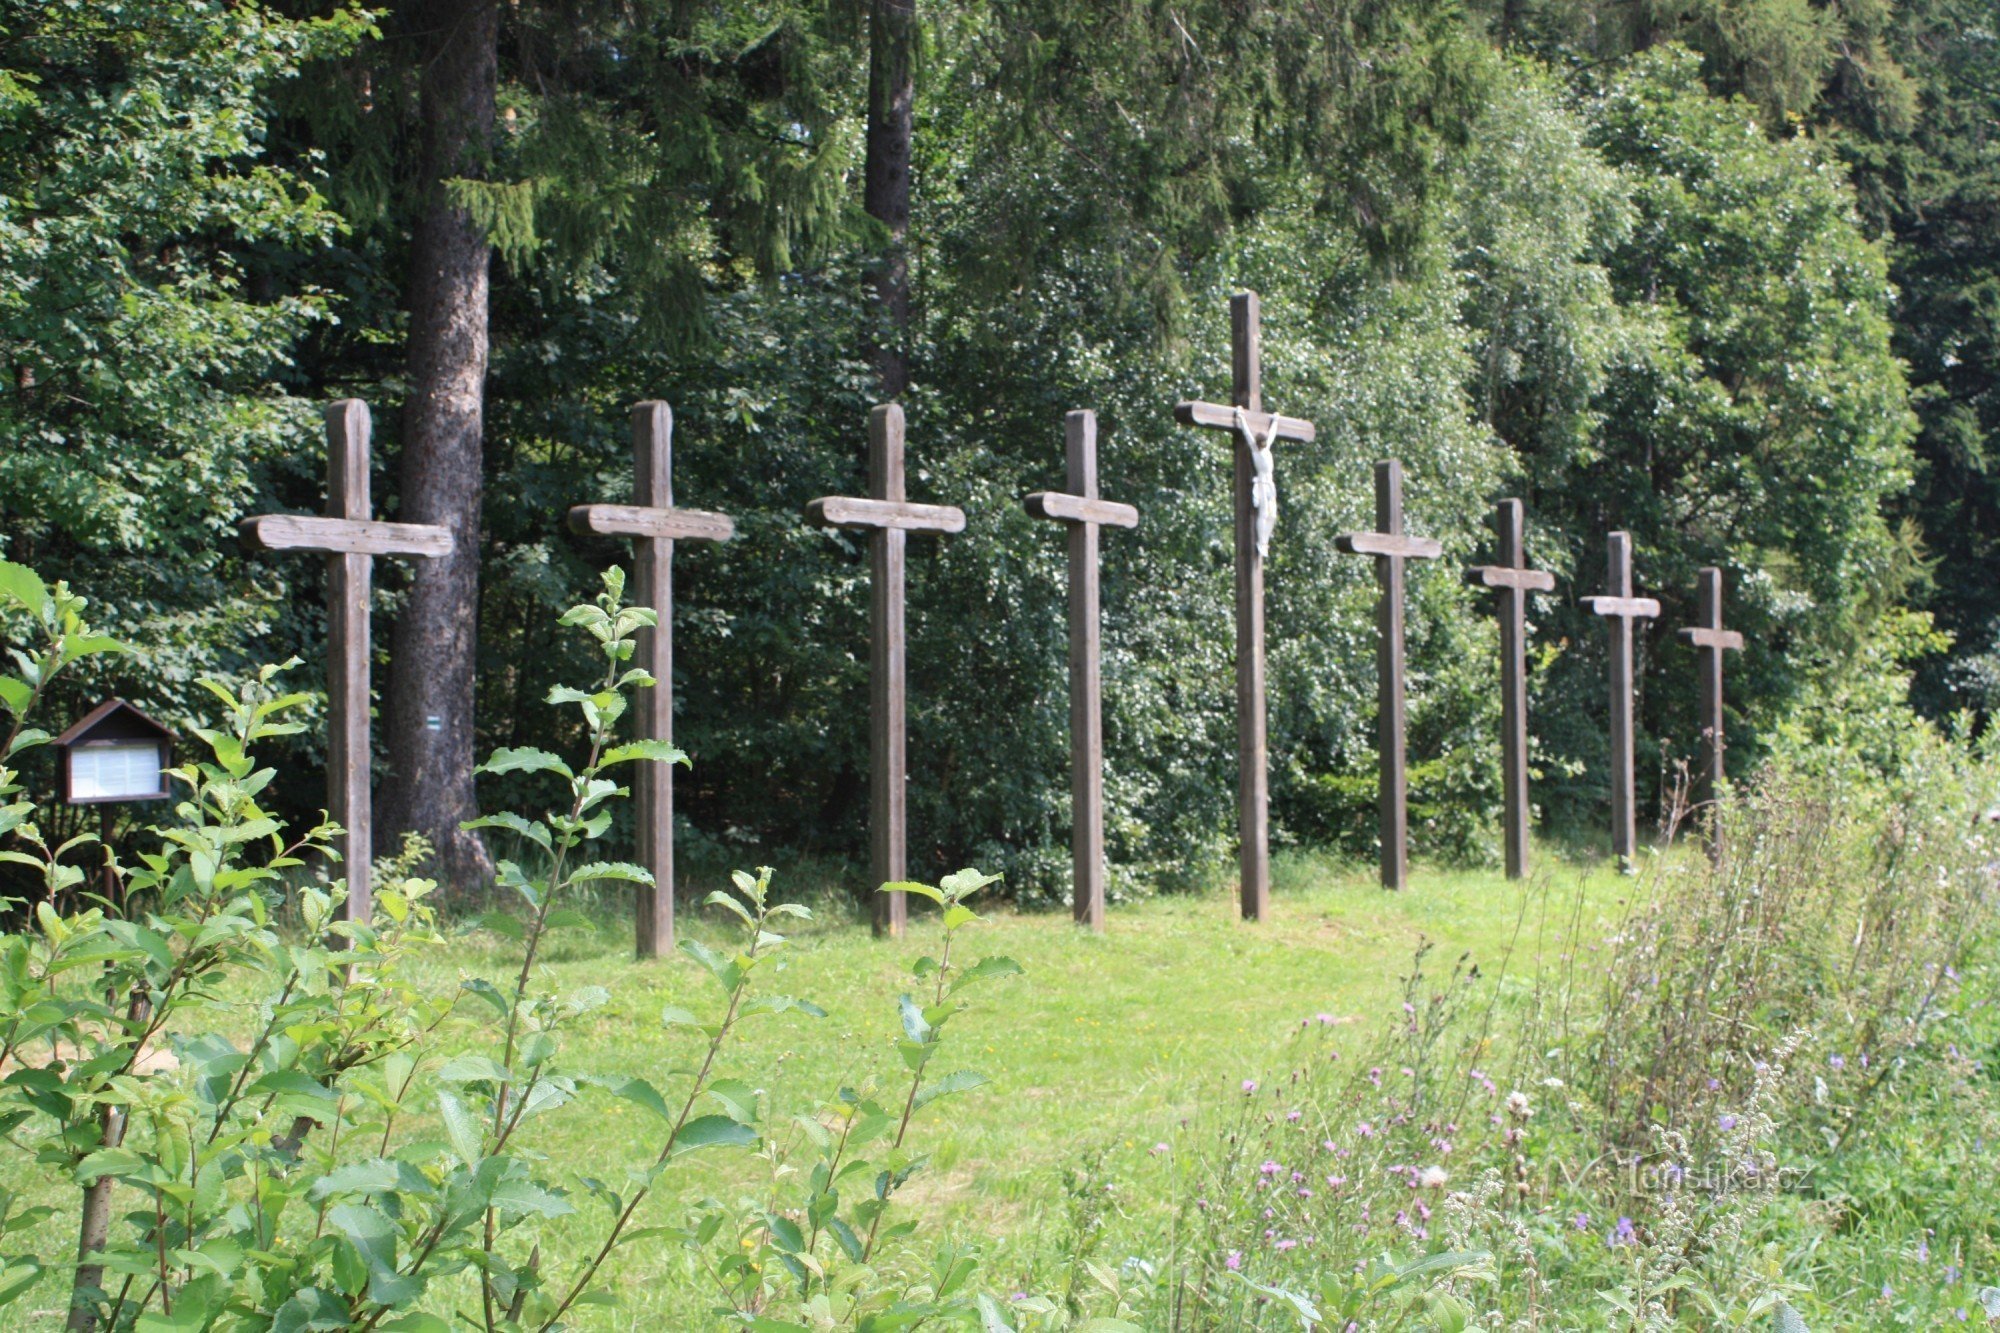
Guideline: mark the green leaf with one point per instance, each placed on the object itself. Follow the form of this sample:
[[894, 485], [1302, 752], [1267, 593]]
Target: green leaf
[[984, 970], [737, 1099], [468, 1140], [664, 752], [963, 1081], [524, 759], [713, 1131], [520, 1198], [20, 584], [911, 886], [613, 870]]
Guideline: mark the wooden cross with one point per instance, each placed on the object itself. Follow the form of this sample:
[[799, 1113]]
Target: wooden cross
[[888, 518], [1621, 608], [655, 525], [1084, 513], [1513, 580], [1390, 548], [350, 540], [1246, 414], [1712, 641]]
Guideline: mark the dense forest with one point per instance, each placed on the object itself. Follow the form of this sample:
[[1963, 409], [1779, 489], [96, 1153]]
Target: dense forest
[[1725, 274]]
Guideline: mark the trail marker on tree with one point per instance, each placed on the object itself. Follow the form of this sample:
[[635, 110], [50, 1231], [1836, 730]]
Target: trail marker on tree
[[350, 541], [1621, 608], [1254, 432], [1085, 513], [1390, 548], [888, 518], [655, 525], [1711, 641], [1513, 580]]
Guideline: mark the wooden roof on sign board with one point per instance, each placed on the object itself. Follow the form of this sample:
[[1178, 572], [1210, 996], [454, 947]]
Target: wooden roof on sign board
[[114, 720]]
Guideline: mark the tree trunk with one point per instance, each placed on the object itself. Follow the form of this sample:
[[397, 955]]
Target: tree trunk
[[432, 661], [892, 26]]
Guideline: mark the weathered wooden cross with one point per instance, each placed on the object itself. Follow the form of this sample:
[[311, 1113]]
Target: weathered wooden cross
[[1254, 431], [1390, 548], [1711, 640], [1085, 513], [1621, 608], [655, 525], [350, 540], [888, 518], [1513, 580]]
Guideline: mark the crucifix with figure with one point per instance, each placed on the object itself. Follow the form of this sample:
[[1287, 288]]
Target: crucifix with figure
[[654, 524], [1711, 641], [1254, 432], [350, 540], [1513, 580], [1390, 548], [1621, 608], [1085, 513], [888, 519]]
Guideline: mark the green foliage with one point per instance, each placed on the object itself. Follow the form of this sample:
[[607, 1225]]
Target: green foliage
[[146, 335]]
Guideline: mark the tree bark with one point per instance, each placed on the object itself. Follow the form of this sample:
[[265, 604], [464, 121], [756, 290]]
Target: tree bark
[[892, 26], [433, 652]]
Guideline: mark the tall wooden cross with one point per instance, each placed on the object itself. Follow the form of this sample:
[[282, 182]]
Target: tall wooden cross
[[1513, 580], [1711, 640], [1246, 421], [1390, 548], [655, 525], [1621, 608], [888, 518], [350, 540], [1085, 513]]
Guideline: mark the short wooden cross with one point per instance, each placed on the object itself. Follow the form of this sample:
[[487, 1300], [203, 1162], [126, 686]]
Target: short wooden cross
[[1245, 417], [1085, 513], [1390, 548], [1621, 608], [1513, 580], [655, 525], [350, 540], [1711, 640], [889, 519]]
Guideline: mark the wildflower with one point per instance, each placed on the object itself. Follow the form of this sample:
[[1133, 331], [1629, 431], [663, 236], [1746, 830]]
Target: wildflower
[[1375, 1077], [1285, 1245], [1518, 1105], [1291, 1117], [1727, 1122], [1624, 1233], [1234, 1261], [1714, 1084], [1249, 1086], [1552, 1082], [1837, 1061], [1365, 1130], [1432, 1178], [1160, 1148], [1581, 1221], [1270, 1168]]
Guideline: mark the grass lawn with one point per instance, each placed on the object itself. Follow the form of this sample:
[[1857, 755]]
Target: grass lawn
[[1106, 1043]]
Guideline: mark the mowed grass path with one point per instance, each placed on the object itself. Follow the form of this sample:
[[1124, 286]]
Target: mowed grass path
[[1107, 1043]]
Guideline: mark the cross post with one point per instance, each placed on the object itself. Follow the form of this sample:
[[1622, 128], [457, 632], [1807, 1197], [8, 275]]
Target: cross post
[[1246, 414], [1513, 581], [1711, 641], [1621, 608], [888, 518], [1085, 513], [654, 524], [1390, 548], [350, 540]]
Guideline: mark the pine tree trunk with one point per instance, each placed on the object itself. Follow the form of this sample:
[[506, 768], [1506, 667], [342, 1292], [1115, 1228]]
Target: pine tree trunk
[[892, 29], [433, 652]]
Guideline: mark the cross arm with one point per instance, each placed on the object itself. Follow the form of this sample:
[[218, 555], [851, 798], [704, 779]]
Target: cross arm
[[848, 512], [1508, 576], [1703, 637], [1217, 416], [1644, 608], [346, 536], [1068, 508], [643, 521], [1390, 544]]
